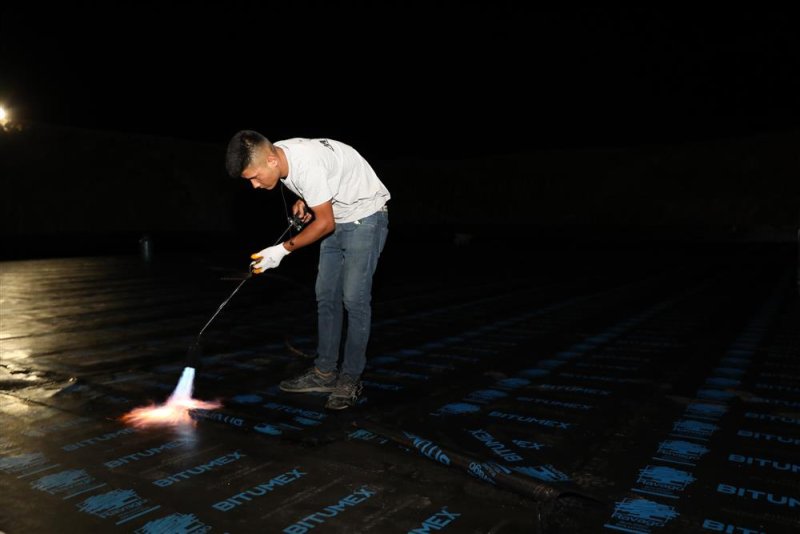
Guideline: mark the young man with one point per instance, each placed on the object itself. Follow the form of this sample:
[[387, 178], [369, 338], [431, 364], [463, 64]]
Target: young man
[[350, 216]]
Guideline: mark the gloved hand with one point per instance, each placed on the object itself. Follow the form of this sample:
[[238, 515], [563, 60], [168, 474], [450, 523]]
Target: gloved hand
[[269, 258]]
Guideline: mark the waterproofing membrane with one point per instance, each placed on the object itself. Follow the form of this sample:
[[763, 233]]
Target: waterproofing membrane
[[623, 399]]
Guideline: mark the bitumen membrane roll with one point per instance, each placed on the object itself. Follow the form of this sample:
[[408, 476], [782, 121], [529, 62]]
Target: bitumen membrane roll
[[625, 400]]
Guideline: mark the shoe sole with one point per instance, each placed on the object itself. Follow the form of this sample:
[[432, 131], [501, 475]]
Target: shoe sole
[[340, 407], [337, 407], [313, 389]]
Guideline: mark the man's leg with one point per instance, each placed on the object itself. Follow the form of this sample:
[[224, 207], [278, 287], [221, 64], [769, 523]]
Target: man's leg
[[322, 377], [363, 247], [329, 302], [363, 244]]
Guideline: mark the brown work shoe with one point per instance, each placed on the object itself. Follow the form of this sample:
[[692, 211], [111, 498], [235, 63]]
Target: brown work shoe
[[311, 380], [345, 393]]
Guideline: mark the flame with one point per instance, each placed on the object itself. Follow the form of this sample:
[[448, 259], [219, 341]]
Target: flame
[[175, 412], [169, 414]]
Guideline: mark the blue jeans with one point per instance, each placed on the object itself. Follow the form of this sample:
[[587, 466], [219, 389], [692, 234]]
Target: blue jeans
[[347, 261]]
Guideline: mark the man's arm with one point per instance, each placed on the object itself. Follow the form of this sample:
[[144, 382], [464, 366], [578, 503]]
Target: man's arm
[[321, 226]]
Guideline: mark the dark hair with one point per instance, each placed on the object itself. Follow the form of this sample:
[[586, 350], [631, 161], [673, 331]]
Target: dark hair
[[241, 149]]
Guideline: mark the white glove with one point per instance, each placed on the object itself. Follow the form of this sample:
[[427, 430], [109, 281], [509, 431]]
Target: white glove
[[269, 258]]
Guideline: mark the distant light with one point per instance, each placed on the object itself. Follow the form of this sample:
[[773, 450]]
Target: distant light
[[6, 124]]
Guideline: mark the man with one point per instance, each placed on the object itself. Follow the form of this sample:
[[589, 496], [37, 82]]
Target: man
[[350, 216]]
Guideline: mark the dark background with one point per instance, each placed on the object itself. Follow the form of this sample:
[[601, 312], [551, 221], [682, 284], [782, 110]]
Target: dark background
[[483, 120]]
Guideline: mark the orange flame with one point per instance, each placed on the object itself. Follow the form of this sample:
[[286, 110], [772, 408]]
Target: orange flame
[[173, 413]]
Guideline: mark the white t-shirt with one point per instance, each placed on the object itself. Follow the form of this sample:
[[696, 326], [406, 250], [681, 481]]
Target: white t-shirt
[[324, 169]]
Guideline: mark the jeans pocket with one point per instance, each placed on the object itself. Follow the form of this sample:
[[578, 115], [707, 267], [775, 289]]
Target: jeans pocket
[[369, 220]]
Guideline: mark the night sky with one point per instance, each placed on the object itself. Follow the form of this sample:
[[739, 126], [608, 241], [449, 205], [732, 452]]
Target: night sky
[[415, 80]]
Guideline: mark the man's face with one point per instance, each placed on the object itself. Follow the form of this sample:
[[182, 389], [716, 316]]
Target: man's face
[[263, 172]]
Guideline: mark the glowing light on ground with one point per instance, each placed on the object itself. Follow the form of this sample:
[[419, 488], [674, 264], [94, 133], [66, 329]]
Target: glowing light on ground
[[175, 412]]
